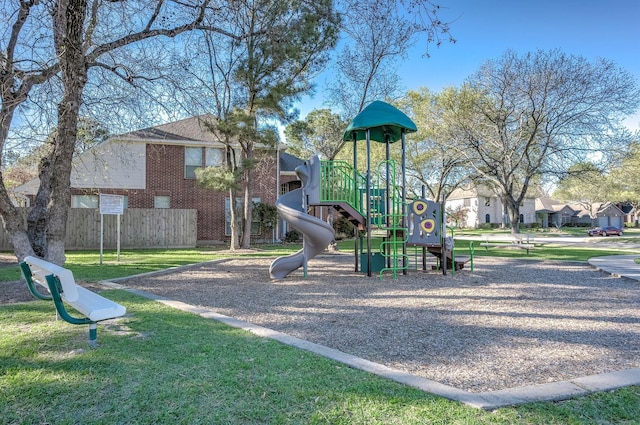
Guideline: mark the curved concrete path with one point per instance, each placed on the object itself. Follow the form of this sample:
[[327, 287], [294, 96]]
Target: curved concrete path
[[618, 265]]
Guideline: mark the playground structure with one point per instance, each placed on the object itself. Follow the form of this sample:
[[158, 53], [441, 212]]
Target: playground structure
[[292, 207], [375, 203]]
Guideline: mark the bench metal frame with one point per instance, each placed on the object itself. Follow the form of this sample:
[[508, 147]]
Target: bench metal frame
[[55, 293]]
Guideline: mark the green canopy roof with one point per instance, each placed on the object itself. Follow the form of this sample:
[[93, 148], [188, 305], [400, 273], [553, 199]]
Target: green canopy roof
[[382, 120]]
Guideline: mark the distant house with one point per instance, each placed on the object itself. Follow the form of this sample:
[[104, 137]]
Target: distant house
[[550, 213], [155, 168], [482, 206], [631, 213], [603, 213]]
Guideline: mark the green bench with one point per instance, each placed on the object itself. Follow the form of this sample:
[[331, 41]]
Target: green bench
[[62, 289]]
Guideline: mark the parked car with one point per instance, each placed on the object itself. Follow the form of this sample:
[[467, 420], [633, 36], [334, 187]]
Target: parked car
[[605, 231]]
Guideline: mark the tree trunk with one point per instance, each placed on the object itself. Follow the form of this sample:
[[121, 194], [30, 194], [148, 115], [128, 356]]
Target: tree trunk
[[514, 216], [247, 209], [248, 198], [233, 216], [68, 29], [505, 213], [14, 224], [38, 216], [11, 218]]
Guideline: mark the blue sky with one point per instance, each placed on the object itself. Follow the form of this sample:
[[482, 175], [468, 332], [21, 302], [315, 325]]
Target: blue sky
[[485, 29]]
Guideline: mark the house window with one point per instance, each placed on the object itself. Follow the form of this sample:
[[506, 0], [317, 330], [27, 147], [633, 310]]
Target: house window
[[162, 202], [255, 226], [466, 202], [288, 187], [487, 202], [84, 201], [196, 157], [487, 218], [213, 157], [192, 161], [521, 218]]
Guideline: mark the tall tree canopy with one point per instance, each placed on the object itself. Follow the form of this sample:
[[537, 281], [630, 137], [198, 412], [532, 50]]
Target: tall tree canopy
[[586, 185], [287, 43], [320, 132], [624, 178], [536, 114], [53, 55], [432, 161], [377, 36]]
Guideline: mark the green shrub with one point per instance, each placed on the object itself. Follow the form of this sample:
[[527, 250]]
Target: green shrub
[[343, 228], [266, 215], [292, 236]]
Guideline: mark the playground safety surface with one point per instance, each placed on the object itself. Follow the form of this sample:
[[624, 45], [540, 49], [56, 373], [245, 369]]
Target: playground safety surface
[[509, 323]]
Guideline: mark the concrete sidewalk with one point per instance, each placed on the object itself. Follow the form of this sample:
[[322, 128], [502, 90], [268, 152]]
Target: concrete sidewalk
[[618, 265]]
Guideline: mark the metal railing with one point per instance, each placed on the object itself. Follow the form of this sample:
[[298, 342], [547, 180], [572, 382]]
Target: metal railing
[[341, 183]]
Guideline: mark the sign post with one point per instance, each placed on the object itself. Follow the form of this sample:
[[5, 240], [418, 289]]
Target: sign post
[[112, 205]]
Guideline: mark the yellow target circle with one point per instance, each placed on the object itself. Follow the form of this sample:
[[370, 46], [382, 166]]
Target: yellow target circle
[[420, 207], [428, 225]]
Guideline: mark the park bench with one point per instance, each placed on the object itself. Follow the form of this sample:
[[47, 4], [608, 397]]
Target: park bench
[[63, 289], [518, 241]]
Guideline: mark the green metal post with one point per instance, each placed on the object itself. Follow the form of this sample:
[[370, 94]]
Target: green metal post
[[403, 201], [387, 200], [93, 335], [368, 201], [355, 194]]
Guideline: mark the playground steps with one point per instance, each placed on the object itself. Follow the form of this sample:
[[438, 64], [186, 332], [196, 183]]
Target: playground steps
[[460, 259], [347, 211]]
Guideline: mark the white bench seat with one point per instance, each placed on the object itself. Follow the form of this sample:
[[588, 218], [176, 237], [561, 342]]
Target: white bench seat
[[64, 289], [95, 306]]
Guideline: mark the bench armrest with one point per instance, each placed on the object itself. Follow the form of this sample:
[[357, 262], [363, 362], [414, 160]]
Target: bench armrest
[[41, 268], [33, 288]]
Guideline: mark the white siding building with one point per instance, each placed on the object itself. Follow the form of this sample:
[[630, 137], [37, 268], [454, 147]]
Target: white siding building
[[480, 206]]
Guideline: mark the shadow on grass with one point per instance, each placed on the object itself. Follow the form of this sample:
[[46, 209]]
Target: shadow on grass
[[161, 365]]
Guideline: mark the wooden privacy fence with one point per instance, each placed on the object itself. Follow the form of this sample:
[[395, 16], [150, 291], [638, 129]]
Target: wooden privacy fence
[[139, 228]]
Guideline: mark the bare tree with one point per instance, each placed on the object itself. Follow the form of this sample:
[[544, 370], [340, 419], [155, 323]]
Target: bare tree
[[378, 35], [431, 160], [534, 115], [75, 41]]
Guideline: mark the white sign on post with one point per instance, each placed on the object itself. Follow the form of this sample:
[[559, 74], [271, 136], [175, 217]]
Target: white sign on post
[[111, 205]]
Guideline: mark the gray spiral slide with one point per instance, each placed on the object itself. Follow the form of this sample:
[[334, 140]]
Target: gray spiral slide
[[292, 207]]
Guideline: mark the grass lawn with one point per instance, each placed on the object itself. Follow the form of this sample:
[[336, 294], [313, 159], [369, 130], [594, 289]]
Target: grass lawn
[[86, 265], [541, 251], [161, 365]]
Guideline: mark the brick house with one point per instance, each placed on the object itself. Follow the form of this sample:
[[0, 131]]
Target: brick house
[[155, 168]]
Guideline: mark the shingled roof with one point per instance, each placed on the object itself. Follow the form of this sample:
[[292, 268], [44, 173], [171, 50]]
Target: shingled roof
[[288, 162], [193, 128]]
